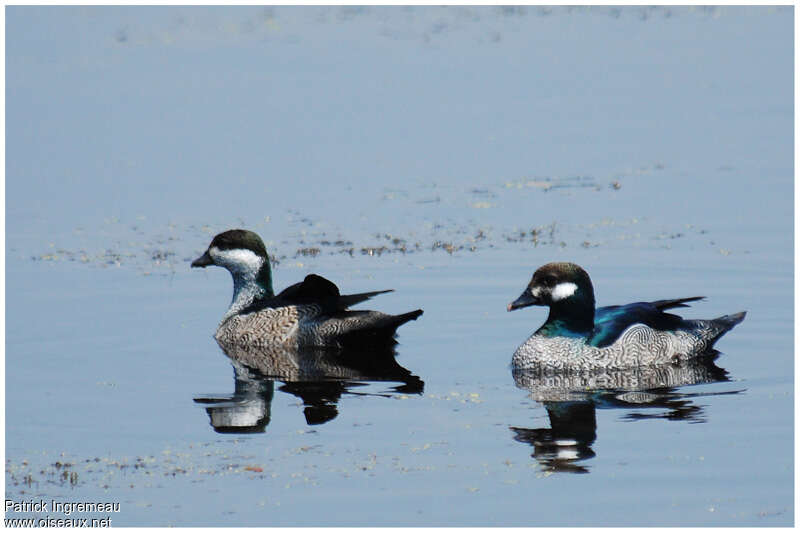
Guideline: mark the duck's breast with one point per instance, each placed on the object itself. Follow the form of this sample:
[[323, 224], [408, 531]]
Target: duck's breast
[[552, 352]]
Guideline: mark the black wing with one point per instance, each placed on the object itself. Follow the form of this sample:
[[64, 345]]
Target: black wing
[[347, 300], [611, 321], [677, 302], [313, 289]]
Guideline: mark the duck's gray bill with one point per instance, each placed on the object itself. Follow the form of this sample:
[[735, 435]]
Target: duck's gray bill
[[525, 299], [203, 261]]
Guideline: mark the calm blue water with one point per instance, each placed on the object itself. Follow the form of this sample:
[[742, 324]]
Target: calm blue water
[[652, 146]]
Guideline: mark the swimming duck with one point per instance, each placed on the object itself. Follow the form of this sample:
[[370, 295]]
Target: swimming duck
[[311, 313], [576, 336]]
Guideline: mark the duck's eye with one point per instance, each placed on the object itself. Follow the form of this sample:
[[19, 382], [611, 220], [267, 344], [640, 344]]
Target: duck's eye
[[548, 281]]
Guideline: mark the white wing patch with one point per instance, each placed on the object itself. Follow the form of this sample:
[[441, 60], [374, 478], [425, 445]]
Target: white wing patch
[[563, 290]]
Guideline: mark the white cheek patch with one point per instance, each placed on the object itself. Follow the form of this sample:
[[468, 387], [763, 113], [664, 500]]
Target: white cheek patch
[[238, 260], [535, 292], [563, 290]]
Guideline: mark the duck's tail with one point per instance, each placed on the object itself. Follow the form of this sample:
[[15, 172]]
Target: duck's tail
[[406, 317], [387, 324], [370, 328], [720, 326]]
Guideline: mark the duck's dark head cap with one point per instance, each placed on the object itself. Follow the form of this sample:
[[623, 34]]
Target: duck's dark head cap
[[239, 238], [552, 274]]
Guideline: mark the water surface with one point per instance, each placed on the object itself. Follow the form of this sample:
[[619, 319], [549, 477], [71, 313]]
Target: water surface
[[444, 153]]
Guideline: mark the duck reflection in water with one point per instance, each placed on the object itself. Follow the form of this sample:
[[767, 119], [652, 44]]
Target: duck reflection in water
[[319, 377], [571, 399]]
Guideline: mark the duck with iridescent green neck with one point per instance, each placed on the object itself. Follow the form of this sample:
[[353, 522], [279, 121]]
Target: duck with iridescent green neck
[[577, 336], [311, 313]]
